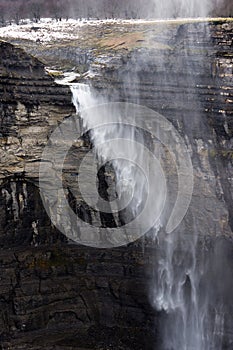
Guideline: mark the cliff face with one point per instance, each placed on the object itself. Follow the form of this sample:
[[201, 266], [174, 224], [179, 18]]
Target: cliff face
[[54, 293], [186, 77], [31, 105]]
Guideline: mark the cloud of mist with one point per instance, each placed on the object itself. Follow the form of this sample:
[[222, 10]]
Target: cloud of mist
[[148, 8], [184, 8]]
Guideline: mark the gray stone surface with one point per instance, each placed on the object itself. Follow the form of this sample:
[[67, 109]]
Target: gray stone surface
[[57, 295]]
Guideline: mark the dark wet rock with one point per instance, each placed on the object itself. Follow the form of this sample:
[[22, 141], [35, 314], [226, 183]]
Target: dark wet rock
[[31, 106], [23, 79], [57, 295], [189, 83]]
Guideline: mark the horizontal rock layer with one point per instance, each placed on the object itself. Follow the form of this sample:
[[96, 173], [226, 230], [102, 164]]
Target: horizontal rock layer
[[189, 81], [57, 294], [54, 294]]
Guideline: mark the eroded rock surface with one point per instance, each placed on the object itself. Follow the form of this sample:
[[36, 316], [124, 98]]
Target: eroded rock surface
[[189, 81], [55, 294]]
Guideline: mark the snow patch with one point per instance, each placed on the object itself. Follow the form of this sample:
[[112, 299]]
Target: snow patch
[[49, 29]]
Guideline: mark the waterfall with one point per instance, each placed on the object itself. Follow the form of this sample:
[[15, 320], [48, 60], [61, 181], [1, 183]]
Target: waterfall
[[127, 177], [183, 8], [188, 289], [192, 313], [123, 145]]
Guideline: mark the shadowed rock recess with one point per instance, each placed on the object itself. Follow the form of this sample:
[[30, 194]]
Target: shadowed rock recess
[[58, 295]]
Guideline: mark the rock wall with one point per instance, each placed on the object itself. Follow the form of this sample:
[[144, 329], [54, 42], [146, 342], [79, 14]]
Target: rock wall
[[55, 294], [187, 79]]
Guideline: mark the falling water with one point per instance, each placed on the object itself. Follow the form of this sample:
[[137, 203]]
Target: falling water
[[132, 177], [183, 8], [192, 312], [191, 320], [187, 288], [127, 177]]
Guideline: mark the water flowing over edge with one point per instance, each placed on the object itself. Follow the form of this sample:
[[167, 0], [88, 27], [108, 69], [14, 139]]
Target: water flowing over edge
[[192, 320]]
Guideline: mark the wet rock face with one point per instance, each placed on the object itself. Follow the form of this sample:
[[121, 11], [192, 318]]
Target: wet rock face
[[57, 294], [31, 106], [54, 293], [188, 80], [23, 219], [23, 79]]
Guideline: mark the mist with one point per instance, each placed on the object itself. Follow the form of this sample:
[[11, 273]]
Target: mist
[[17, 10], [184, 8], [158, 9]]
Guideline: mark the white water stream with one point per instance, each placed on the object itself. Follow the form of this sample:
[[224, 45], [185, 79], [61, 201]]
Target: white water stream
[[190, 321]]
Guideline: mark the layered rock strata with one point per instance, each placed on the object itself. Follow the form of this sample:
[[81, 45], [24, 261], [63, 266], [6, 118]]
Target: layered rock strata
[[55, 294]]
